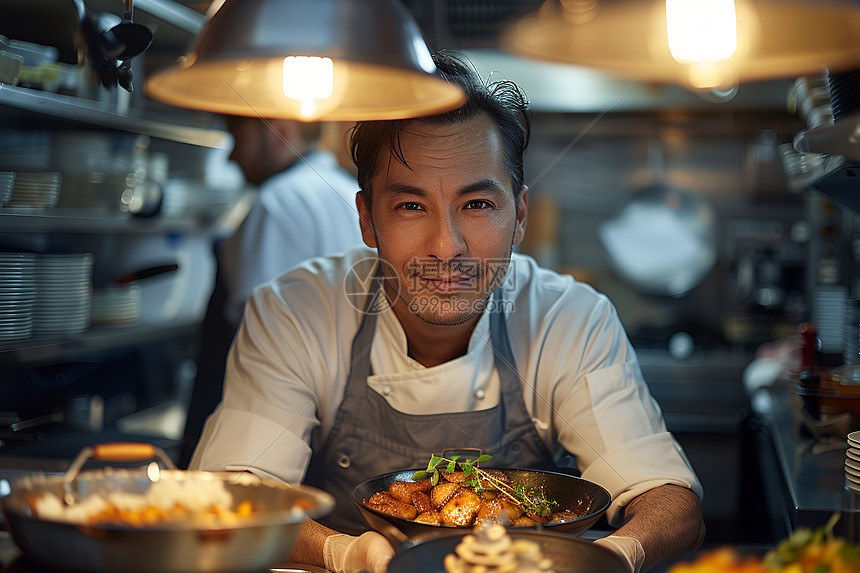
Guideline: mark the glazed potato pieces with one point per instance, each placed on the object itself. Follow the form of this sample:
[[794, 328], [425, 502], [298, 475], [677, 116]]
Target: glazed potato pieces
[[384, 502], [448, 503], [421, 501], [442, 494], [462, 509], [403, 490]]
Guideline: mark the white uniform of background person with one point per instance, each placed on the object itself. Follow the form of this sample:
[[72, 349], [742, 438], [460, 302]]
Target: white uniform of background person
[[302, 212], [305, 207], [286, 378]]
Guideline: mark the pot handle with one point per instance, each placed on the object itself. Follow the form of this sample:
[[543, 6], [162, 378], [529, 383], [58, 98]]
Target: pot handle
[[117, 452], [464, 453]]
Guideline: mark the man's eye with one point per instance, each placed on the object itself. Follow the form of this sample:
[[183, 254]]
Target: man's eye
[[410, 206], [478, 204]]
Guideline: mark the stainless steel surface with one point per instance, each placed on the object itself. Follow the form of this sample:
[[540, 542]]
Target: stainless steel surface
[[107, 115], [841, 187], [257, 543], [50, 349], [174, 13], [84, 221], [812, 472]]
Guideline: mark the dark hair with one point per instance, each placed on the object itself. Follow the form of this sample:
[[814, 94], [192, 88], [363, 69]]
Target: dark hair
[[502, 101]]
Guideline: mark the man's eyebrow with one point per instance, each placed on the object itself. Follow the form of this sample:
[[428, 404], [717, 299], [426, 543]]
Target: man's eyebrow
[[405, 189], [483, 186]]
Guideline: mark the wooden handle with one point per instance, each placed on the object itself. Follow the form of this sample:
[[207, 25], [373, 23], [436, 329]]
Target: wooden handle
[[123, 451]]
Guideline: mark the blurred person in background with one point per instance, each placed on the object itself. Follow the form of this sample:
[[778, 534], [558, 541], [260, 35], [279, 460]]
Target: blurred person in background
[[305, 207]]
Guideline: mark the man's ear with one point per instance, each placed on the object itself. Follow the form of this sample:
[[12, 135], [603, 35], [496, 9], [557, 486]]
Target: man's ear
[[522, 216], [365, 220]]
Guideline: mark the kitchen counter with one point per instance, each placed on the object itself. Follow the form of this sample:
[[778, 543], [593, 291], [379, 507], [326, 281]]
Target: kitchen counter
[[803, 478]]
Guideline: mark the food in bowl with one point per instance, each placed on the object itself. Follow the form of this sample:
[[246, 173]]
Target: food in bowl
[[806, 550], [490, 549], [165, 501], [462, 494]]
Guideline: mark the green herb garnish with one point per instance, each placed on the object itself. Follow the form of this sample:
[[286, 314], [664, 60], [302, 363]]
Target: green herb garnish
[[527, 498]]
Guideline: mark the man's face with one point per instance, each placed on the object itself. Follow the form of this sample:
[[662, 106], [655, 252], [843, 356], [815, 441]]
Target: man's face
[[446, 224], [252, 150]]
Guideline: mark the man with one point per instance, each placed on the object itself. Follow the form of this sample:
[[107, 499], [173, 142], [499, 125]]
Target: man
[[354, 366], [305, 207]]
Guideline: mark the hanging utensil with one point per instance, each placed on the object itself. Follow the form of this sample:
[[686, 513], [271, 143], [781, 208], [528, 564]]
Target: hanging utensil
[[127, 39], [109, 51]]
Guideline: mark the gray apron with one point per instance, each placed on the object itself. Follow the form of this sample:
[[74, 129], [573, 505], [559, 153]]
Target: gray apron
[[370, 438]]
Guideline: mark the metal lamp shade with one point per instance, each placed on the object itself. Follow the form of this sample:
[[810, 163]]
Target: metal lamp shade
[[382, 68], [628, 38]]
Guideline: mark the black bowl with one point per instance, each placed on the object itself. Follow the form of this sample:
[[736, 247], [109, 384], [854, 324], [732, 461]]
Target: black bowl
[[568, 555], [569, 491]]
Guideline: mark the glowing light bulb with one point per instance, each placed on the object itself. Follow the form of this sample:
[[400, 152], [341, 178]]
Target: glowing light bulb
[[702, 33], [308, 78], [153, 472], [701, 30]]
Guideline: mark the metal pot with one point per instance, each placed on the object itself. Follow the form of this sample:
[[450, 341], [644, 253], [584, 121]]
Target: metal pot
[[251, 544], [568, 555], [567, 490]]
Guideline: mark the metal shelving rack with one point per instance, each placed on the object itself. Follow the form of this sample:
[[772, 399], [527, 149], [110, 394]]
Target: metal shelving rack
[[22, 105]]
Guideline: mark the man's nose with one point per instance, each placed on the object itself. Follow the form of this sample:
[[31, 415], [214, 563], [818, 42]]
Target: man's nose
[[447, 239]]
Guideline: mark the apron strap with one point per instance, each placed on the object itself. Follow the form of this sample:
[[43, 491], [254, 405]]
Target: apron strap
[[501, 343], [360, 369], [503, 355]]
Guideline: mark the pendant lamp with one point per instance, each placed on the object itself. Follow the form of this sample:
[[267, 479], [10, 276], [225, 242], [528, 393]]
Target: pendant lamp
[[698, 44], [313, 60]]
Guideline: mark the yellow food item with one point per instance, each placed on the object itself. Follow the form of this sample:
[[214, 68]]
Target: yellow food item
[[804, 551], [165, 501], [491, 550], [721, 560]]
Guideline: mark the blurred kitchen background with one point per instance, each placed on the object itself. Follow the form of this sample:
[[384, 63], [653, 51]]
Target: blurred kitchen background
[[126, 195]]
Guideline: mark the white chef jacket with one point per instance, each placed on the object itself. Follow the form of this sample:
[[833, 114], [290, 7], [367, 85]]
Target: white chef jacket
[[305, 211], [581, 380]]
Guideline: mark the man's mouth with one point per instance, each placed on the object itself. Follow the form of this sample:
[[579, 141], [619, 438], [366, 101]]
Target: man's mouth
[[448, 284]]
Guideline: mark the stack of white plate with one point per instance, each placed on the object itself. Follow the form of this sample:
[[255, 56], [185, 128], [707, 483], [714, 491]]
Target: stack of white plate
[[35, 191], [17, 295], [63, 293], [852, 462], [7, 183], [116, 304]]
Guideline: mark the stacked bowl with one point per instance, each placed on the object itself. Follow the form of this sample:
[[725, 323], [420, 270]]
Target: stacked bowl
[[35, 191], [64, 293], [116, 304], [17, 295]]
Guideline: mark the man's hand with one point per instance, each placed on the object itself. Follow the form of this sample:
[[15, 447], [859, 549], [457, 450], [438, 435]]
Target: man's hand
[[666, 521], [629, 549], [369, 551]]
